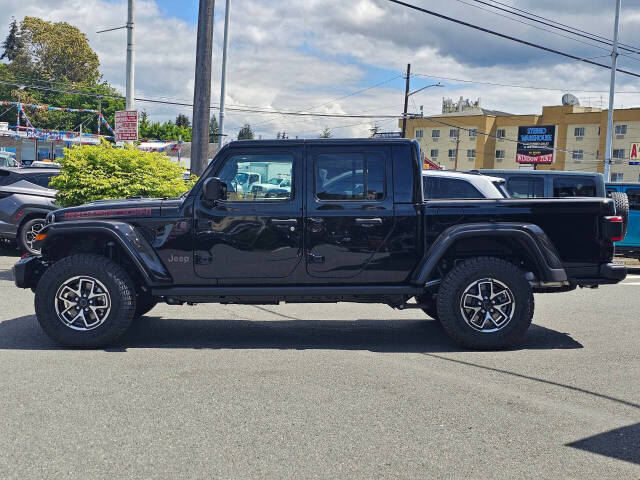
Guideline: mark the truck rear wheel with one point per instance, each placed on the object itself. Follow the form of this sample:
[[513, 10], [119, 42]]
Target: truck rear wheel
[[85, 301], [485, 303]]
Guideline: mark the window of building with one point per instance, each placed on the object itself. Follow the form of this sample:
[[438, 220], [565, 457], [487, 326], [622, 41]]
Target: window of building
[[621, 129], [452, 153], [526, 187], [500, 133], [634, 198], [419, 133], [473, 133], [453, 133], [434, 153], [577, 154], [471, 153], [618, 153], [578, 132], [435, 133], [257, 177], [617, 177], [440, 187], [350, 176], [500, 154], [574, 187]]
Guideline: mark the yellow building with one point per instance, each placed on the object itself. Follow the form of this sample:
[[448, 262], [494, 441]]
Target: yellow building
[[488, 139]]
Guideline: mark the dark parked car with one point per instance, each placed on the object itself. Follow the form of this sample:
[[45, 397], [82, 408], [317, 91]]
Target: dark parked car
[[23, 208], [38, 176], [354, 227]]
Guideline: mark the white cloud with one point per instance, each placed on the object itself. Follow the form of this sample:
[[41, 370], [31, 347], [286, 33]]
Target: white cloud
[[287, 54]]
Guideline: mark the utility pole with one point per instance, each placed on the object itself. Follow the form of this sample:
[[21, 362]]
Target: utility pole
[[223, 82], [455, 163], [202, 90], [612, 86], [406, 102], [130, 45]]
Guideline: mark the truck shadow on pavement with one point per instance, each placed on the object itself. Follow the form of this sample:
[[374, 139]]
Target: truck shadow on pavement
[[622, 443], [417, 336]]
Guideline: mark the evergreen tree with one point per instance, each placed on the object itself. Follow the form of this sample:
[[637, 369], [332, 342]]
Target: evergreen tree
[[182, 120], [214, 129], [325, 133], [245, 133], [13, 44]]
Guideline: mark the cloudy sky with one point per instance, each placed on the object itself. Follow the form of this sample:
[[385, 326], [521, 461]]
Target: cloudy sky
[[313, 55]]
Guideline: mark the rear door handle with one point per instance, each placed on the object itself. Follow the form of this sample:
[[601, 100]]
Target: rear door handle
[[368, 222]]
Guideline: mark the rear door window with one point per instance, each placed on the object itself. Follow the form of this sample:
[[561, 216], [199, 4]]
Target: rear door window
[[526, 187], [574, 187], [439, 187], [350, 176]]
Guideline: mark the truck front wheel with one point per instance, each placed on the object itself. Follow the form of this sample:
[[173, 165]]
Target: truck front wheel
[[485, 303], [85, 301]]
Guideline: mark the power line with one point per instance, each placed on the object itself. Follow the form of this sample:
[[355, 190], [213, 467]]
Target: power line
[[508, 37], [530, 87], [237, 109], [556, 25], [629, 48], [531, 25]]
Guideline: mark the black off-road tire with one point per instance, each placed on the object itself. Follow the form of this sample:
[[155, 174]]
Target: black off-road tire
[[28, 229], [622, 208], [450, 297], [118, 284], [144, 303]]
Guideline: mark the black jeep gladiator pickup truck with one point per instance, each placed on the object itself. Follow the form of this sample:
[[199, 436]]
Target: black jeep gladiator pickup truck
[[351, 225]]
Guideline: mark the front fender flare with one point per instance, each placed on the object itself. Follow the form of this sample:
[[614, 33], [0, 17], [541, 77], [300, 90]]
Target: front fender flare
[[538, 248], [125, 235]]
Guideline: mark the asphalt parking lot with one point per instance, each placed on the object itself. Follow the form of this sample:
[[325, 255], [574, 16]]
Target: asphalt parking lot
[[329, 391]]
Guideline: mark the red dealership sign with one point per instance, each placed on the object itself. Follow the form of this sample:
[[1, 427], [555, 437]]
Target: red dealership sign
[[126, 125]]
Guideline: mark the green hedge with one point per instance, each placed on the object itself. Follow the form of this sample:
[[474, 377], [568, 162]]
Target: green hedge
[[105, 172]]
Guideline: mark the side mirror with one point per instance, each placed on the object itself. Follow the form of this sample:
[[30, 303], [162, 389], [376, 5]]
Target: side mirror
[[213, 189]]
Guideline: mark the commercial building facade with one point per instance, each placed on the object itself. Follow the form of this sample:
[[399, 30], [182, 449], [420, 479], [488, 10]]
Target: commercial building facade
[[480, 138]]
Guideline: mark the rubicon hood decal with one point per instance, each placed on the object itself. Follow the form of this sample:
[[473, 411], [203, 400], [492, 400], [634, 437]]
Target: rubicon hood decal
[[111, 212]]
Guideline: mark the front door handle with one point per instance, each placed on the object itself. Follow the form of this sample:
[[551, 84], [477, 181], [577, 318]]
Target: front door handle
[[368, 222], [284, 222], [315, 258]]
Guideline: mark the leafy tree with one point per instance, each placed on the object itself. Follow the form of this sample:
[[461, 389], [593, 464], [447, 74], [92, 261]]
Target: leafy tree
[[103, 172], [245, 133], [55, 51], [214, 129], [183, 121], [326, 133], [13, 44], [164, 131], [41, 51]]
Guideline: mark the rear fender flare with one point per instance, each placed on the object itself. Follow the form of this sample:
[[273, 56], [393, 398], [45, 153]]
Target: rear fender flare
[[531, 238], [133, 243]]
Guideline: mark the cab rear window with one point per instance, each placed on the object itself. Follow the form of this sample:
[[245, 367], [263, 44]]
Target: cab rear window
[[574, 187], [439, 187]]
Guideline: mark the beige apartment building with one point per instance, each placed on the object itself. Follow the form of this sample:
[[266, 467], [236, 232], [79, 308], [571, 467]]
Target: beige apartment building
[[473, 137]]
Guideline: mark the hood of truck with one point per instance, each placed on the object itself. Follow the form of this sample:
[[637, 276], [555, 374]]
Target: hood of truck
[[123, 209]]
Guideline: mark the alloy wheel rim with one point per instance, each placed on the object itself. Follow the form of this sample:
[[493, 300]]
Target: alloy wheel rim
[[30, 235], [82, 303], [487, 305]]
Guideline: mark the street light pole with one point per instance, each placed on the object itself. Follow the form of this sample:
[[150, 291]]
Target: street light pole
[[202, 90], [612, 86], [223, 82], [130, 48]]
